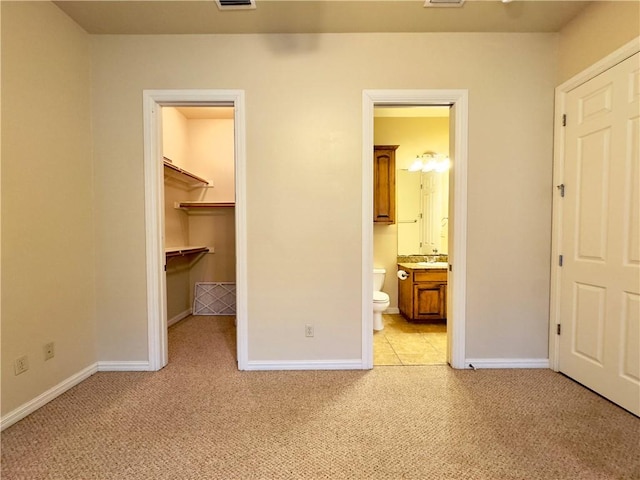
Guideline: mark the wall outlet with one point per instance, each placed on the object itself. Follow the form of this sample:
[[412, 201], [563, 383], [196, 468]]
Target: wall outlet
[[21, 364], [308, 330], [49, 350]]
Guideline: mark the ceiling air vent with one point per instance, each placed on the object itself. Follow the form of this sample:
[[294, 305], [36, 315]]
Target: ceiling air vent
[[235, 4], [443, 3]]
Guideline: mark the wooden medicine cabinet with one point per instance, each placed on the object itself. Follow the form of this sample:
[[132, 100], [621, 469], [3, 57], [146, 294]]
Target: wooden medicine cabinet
[[384, 184]]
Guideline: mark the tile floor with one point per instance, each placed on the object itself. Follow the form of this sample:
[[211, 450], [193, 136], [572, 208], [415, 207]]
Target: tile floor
[[405, 343]]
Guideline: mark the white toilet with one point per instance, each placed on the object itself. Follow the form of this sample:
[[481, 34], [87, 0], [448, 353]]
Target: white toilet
[[380, 299]]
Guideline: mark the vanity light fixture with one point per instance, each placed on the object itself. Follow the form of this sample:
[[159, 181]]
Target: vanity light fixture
[[417, 165], [430, 162]]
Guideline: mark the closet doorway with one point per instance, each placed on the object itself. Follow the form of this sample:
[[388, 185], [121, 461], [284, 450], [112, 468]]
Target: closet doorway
[[195, 212], [199, 216]]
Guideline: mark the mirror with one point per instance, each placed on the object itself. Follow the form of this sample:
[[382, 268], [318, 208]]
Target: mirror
[[422, 133], [423, 212]]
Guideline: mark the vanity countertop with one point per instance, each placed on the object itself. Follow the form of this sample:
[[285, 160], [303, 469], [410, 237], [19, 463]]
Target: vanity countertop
[[425, 265]]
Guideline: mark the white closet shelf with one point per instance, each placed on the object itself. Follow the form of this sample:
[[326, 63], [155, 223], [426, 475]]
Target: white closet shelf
[[182, 251], [182, 175], [204, 204]]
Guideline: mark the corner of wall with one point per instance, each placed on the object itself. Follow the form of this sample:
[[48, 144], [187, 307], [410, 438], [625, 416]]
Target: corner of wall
[[601, 28]]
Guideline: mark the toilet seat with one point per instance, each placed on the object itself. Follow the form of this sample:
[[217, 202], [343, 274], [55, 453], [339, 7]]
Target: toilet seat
[[380, 297]]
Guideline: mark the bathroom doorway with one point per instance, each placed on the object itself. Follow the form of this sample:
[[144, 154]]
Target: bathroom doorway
[[454, 271], [418, 239]]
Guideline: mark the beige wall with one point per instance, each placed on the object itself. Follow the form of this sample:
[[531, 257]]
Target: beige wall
[[414, 135], [215, 228], [175, 145], [304, 178], [48, 268], [176, 222], [211, 155], [211, 147], [599, 30], [179, 287], [176, 228]]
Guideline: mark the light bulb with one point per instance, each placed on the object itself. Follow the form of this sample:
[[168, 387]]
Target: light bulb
[[416, 166]]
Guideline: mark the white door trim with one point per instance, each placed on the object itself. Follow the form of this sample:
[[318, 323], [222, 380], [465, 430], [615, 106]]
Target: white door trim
[[624, 52], [457, 324], [154, 214]]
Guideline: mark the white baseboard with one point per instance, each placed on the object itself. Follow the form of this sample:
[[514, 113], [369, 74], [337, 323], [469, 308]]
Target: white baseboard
[[305, 365], [44, 398], [507, 363], [179, 317], [142, 366], [392, 310]]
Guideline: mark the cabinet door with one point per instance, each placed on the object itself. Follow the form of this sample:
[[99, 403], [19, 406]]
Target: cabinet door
[[384, 183], [428, 301]]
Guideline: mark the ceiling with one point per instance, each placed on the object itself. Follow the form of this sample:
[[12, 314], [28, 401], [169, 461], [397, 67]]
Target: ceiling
[[318, 16], [207, 113]]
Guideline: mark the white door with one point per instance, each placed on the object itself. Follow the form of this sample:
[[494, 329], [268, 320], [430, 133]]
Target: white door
[[600, 274], [452, 328]]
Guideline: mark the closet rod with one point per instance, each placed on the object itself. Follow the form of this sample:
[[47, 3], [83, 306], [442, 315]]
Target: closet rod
[[178, 251], [204, 204]]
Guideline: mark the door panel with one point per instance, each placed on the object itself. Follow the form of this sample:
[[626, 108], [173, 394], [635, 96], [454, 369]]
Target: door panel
[[588, 321], [631, 334], [592, 195], [632, 173], [600, 276]]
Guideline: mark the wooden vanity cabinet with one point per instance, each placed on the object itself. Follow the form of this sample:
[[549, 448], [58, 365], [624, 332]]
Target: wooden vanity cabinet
[[423, 296], [384, 184]]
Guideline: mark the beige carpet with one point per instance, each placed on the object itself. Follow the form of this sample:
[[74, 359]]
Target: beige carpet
[[200, 418]]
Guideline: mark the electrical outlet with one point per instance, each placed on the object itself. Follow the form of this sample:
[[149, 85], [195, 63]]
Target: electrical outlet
[[21, 365], [308, 330], [49, 350]]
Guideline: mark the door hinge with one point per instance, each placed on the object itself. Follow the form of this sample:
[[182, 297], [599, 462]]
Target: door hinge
[[558, 329], [165, 268], [560, 260], [561, 189], [564, 119]]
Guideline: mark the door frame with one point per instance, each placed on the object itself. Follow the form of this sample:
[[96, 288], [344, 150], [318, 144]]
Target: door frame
[[561, 92], [153, 101], [456, 325]]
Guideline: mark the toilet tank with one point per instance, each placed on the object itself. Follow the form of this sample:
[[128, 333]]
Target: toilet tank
[[378, 279]]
